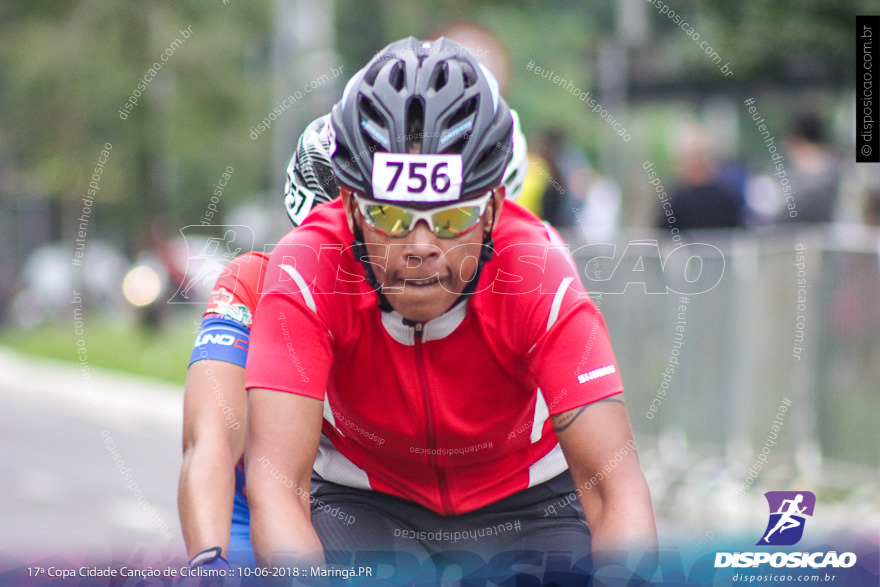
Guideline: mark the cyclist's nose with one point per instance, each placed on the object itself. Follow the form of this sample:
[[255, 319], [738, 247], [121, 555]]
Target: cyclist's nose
[[421, 241]]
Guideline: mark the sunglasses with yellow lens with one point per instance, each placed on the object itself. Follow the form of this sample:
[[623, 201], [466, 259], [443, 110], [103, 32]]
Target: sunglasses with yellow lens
[[449, 221]]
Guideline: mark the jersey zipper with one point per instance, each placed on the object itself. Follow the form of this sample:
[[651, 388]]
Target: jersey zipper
[[429, 419]]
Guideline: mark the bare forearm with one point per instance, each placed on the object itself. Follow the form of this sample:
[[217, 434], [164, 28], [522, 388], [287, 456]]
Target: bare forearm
[[283, 434], [206, 490], [624, 535], [205, 499], [600, 450], [211, 450], [281, 526], [622, 522]]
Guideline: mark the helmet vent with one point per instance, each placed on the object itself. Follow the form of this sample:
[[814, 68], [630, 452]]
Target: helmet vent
[[373, 73], [484, 158], [368, 111], [459, 127], [468, 73], [343, 154], [415, 123], [397, 79], [441, 77], [373, 125], [466, 109]]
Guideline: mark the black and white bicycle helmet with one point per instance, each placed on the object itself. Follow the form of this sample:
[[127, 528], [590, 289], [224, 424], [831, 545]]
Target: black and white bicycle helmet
[[516, 171], [310, 178]]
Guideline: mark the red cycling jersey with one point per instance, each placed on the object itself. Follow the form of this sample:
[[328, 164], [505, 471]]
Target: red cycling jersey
[[452, 413], [237, 289]]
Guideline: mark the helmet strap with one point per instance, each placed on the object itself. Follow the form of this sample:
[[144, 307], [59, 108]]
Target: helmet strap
[[359, 250], [487, 251]]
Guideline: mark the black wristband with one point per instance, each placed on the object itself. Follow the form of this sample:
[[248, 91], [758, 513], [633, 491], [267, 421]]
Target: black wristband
[[206, 556]]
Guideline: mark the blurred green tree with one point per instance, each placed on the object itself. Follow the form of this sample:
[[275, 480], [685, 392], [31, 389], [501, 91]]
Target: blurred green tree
[[786, 39], [68, 70]]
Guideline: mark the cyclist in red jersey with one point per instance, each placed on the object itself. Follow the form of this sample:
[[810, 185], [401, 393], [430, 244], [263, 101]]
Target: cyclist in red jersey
[[212, 503], [424, 362], [214, 410]]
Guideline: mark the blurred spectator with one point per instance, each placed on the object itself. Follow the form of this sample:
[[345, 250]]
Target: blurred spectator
[[554, 163], [813, 170], [484, 45], [871, 213], [554, 160], [556, 204], [534, 184], [48, 281], [597, 216], [701, 199], [560, 187]]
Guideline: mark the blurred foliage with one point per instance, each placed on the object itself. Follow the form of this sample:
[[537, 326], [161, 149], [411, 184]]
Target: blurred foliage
[[783, 39], [782, 46], [161, 353], [68, 67]]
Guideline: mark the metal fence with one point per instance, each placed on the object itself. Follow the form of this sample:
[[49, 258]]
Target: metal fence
[[748, 322]]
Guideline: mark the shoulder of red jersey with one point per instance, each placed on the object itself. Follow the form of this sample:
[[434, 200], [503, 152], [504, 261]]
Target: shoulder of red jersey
[[316, 258], [530, 280], [529, 258], [238, 287]]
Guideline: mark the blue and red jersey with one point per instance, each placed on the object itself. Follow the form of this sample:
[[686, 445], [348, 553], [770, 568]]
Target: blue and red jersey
[[224, 336]]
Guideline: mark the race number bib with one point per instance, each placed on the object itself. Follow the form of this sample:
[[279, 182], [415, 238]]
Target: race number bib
[[403, 177], [299, 202]]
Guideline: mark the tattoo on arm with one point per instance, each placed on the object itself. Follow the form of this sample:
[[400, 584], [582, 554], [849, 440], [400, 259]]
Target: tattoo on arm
[[562, 421]]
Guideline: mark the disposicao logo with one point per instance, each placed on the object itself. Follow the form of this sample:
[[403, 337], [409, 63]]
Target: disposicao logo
[[789, 511]]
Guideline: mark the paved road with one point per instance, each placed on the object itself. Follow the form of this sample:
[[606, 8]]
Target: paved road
[[64, 440]]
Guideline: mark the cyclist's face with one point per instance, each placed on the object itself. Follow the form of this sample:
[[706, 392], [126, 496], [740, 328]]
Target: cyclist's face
[[421, 274]]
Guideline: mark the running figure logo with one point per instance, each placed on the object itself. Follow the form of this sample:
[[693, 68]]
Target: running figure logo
[[206, 256], [788, 513]]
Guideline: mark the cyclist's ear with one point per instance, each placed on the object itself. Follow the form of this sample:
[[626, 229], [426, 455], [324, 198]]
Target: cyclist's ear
[[348, 205], [493, 210]]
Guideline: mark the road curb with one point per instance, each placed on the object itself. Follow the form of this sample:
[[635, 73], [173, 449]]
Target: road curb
[[92, 393]]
